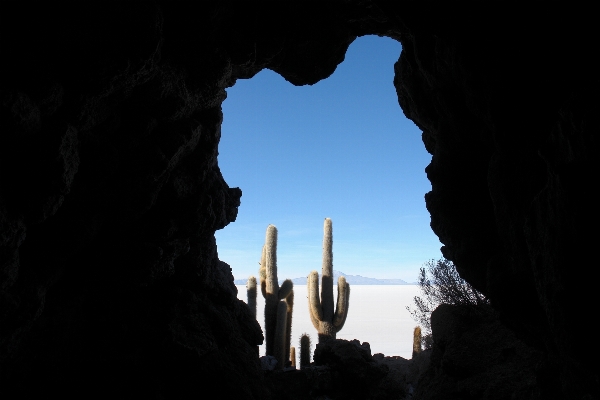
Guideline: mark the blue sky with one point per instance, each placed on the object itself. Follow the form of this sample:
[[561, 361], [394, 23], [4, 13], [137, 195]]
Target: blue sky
[[341, 149]]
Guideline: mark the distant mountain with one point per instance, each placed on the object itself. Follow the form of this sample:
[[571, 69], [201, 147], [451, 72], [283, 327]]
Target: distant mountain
[[351, 279]]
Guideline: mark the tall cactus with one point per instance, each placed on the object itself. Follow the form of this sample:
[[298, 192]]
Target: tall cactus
[[279, 301], [293, 356], [325, 320]]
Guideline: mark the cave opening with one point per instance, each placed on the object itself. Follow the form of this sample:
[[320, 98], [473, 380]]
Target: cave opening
[[342, 149]]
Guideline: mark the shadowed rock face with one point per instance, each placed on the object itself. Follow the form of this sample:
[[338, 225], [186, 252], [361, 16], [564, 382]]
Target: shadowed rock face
[[110, 191], [474, 356]]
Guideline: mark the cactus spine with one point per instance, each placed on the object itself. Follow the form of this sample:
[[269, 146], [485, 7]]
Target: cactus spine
[[325, 320], [416, 341], [304, 350], [279, 301], [251, 291]]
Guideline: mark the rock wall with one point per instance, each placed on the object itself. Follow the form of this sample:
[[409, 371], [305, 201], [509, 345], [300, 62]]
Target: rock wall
[[111, 194], [475, 356], [110, 191], [507, 111]]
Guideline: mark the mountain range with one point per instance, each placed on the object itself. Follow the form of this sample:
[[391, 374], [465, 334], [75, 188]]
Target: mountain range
[[351, 279]]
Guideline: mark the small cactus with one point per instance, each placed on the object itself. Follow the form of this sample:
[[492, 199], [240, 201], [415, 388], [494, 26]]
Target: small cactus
[[304, 350], [251, 291], [416, 341], [279, 301], [293, 356], [325, 320]]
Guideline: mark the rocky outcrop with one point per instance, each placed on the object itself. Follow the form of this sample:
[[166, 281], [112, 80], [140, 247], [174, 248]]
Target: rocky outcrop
[[355, 374], [343, 370], [110, 191], [474, 356]]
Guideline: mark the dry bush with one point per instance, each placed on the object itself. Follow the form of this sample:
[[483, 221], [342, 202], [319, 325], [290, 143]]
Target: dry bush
[[441, 284]]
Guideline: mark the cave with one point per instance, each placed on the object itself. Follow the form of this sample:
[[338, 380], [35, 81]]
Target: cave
[[110, 190]]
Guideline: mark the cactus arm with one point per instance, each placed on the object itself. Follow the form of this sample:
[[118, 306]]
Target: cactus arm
[[327, 272], [251, 291], [316, 323], [280, 335], [286, 288], [286, 292], [263, 288], [314, 303], [343, 301], [262, 274]]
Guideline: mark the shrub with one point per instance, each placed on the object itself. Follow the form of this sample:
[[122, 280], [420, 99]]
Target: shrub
[[441, 284]]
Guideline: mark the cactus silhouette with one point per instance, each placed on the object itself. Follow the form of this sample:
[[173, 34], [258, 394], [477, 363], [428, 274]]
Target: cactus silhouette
[[304, 350], [251, 291], [279, 301], [289, 301], [279, 339], [416, 341], [325, 320]]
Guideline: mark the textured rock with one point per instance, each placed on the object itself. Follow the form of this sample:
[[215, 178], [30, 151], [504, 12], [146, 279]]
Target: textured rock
[[355, 374], [110, 192], [509, 180], [475, 357], [342, 370]]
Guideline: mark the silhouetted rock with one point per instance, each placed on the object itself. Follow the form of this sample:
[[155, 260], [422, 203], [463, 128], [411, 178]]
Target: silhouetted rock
[[475, 357], [342, 370], [354, 372]]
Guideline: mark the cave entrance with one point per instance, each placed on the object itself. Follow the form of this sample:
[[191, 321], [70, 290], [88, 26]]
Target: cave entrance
[[342, 149]]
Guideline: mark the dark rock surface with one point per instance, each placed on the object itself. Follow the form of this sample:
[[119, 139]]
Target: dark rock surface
[[474, 356], [508, 116], [354, 372], [110, 191], [343, 370]]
